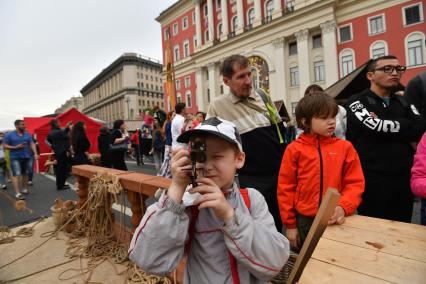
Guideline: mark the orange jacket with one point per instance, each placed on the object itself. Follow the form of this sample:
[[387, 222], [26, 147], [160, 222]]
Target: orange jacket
[[302, 168]]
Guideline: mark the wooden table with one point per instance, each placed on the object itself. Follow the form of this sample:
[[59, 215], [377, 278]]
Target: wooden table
[[369, 250]]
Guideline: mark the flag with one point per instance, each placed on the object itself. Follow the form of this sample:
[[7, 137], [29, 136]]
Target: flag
[[170, 87]]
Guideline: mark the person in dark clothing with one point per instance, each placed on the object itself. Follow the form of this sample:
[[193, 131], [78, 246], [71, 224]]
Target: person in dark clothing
[[58, 140], [381, 126], [80, 144], [104, 141], [159, 115], [416, 95], [119, 136]]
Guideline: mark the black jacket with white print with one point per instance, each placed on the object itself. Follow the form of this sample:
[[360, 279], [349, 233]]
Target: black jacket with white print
[[382, 133]]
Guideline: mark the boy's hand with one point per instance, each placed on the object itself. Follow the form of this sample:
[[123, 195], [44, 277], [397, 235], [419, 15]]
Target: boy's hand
[[338, 216], [213, 197], [293, 237], [181, 170]]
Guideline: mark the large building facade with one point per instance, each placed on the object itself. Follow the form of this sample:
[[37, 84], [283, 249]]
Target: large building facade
[[74, 102], [124, 90], [290, 43]]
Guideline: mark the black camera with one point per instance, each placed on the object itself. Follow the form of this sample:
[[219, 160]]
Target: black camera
[[197, 155]]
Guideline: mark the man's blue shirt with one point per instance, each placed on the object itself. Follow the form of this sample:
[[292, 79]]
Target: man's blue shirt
[[13, 139]]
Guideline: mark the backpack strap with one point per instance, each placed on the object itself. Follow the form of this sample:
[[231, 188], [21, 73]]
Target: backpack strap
[[246, 197]]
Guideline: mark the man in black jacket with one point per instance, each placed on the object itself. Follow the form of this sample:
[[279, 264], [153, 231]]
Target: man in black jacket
[[58, 140], [381, 126]]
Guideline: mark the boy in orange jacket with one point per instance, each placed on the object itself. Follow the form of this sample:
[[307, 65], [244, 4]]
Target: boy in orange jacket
[[313, 163]]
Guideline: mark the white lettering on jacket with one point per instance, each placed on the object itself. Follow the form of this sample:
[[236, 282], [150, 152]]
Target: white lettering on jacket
[[380, 125]]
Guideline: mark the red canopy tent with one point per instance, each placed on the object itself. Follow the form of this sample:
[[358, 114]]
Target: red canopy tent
[[73, 115], [32, 123]]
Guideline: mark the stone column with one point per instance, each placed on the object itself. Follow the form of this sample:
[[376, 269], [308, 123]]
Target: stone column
[[197, 22], [277, 9], [211, 26], [240, 15], [279, 80], [225, 21], [330, 52], [257, 13], [214, 92], [303, 58], [201, 98]]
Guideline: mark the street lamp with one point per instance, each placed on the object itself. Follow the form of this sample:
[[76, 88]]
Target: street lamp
[[127, 100]]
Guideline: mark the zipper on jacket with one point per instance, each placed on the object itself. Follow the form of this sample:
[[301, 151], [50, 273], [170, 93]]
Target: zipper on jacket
[[321, 173]]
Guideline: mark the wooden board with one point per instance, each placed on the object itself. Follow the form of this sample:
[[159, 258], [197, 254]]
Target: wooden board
[[396, 245], [323, 273], [370, 262], [382, 226]]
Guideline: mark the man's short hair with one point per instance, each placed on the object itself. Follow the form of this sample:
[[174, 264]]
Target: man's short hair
[[371, 65], [313, 88], [179, 107], [317, 104], [17, 122], [227, 67]]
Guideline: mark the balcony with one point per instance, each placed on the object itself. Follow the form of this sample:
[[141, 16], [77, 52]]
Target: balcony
[[249, 27], [267, 19], [231, 34]]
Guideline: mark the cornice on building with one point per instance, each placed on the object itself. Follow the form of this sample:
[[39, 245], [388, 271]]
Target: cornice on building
[[125, 59], [174, 10]]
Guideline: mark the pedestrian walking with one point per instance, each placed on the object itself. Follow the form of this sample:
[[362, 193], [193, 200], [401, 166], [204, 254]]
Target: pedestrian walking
[[167, 130], [157, 146], [80, 144], [104, 143], [119, 140]]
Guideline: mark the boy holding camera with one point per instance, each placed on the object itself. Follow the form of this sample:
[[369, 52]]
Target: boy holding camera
[[227, 233]]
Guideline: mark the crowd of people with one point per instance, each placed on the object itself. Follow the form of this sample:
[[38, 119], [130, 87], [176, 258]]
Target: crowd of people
[[257, 192]]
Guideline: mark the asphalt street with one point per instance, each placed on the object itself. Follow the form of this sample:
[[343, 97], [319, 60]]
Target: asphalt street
[[43, 194]]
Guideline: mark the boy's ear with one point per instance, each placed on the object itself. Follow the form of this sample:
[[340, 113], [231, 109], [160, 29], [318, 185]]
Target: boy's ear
[[240, 158], [303, 120], [226, 80]]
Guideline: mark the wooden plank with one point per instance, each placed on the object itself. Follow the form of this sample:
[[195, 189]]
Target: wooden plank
[[397, 245], [318, 272], [318, 226], [382, 226], [371, 262]]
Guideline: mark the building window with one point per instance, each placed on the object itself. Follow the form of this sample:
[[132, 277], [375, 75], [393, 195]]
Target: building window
[[179, 97], [292, 48], [184, 23], [415, 49], [188, 99], [219, 29], [269, 9], [376, 24], [175, 29], [319, 71], [177, 85], [345, 33], [206, 36], [166, 34], [316, 41], [250, 17], [346, 62], [195, 41], [140, 102], [221, 89], [187, 81], [218, 4], [176, 53], [234, 23], [294, 76], [186, 48], [378, 49], [208, 95], [193, 18], [413, 14], [206, 11]]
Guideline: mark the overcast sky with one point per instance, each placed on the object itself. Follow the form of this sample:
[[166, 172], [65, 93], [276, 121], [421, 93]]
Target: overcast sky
[[49, 49]]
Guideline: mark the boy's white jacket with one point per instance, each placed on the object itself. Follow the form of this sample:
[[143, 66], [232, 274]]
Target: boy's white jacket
[[251, 237]]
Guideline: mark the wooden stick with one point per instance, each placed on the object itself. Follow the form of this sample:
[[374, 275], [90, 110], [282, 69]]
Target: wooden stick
[[317, 229]]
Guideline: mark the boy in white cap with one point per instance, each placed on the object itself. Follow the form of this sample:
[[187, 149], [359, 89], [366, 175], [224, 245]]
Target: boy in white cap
[[226, 232]]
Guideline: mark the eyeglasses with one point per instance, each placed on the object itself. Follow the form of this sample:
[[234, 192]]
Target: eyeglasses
[[389, 69]]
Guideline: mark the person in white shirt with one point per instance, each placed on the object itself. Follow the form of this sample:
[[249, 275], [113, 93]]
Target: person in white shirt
[[177, 124]]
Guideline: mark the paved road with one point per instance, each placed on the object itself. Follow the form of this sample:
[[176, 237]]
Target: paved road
[[43, 194]]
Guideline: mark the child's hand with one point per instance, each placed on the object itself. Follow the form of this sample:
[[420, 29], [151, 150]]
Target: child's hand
[[338, 216], [181, 170], [213, 197], [293, 237]]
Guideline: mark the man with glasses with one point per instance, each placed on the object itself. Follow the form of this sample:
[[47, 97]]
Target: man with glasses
[[381, 125]]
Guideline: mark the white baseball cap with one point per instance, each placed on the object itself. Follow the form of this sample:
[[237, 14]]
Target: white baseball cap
[[214, 126]]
